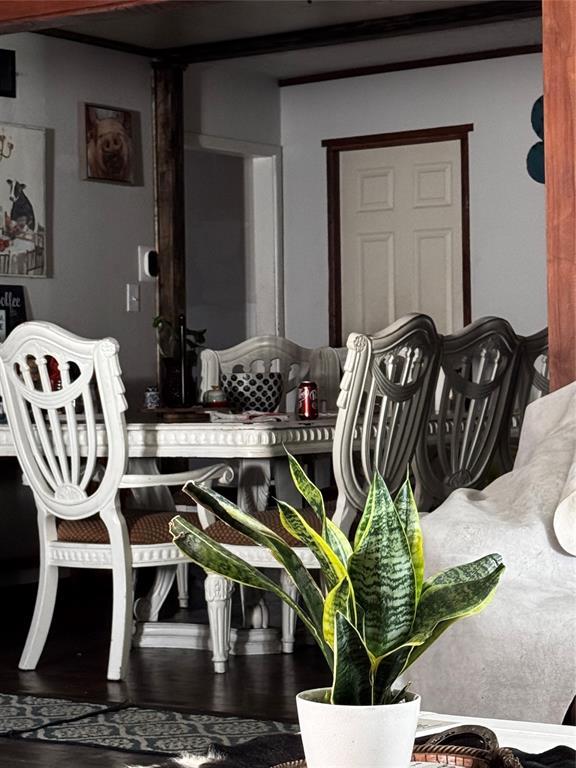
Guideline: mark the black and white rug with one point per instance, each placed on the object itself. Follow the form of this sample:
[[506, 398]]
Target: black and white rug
[[125, 727]]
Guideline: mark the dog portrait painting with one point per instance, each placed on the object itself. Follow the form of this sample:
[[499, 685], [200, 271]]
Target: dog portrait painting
[[110, 144]]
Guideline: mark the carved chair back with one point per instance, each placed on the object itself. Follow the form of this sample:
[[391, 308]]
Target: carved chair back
[[53, 383], [387, 385], [532, 382], [478, 365], [264, 354]]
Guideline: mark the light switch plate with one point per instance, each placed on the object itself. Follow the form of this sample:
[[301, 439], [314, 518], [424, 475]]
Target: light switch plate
[[132, 297]]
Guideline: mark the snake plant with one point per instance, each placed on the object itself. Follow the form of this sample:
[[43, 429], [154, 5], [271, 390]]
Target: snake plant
[[375, 613]]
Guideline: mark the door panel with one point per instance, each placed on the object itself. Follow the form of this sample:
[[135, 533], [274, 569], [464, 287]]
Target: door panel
[[401, 235]]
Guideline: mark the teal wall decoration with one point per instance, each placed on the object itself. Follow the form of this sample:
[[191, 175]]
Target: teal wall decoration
[[535, 159]]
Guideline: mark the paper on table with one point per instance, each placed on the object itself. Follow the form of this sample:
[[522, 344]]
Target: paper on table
[[248, 417]]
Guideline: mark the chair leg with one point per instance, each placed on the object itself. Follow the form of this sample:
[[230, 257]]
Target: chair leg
[[122, 597], [218, 591], [182, 582], [288, 614], [43, 612]]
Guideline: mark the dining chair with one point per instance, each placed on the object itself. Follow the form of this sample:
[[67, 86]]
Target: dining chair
[[388, 379], [388, 383], [531, 383], [64, 399], [478, 365], [260, 354]]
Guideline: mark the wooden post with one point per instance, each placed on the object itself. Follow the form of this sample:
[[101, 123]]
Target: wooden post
[[169, 191], [559, 46]]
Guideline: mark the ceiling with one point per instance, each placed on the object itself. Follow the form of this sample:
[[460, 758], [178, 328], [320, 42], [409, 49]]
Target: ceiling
[[191, 22], [295, 38]]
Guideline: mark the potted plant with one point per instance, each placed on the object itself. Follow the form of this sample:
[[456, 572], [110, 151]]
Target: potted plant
[[178, 347], [373, 617]]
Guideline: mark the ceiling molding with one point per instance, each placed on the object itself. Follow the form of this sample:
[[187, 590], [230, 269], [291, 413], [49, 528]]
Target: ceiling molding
[[399, 66], [99, 42], [335, 34]]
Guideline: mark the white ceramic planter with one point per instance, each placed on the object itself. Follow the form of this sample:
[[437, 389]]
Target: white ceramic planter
[[340, 736]]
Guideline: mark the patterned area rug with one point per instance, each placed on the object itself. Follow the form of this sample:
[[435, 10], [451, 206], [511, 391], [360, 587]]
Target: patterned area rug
[[19, 714], [125, 727]]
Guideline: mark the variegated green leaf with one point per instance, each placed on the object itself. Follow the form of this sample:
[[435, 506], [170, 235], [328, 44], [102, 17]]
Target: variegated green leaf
[[261, 534], [213, 557], [381, 573], [310, 493], [408, 514], [443, 604], [296, 525], [306, 488], [352, 666], [387, 670], [340, 599], [461, 574]]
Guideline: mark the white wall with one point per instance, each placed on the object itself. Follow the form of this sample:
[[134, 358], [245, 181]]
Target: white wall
[[507, 215], [223, 100], [96, 227]]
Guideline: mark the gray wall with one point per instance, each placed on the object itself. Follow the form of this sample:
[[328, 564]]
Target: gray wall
[[96, 227]]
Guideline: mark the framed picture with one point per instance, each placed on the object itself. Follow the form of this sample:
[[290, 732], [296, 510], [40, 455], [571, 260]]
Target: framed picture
[[22, 200], [12, 309], [110, 144]]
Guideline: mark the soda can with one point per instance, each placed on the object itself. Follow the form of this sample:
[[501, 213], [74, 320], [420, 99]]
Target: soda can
[[307, 400]]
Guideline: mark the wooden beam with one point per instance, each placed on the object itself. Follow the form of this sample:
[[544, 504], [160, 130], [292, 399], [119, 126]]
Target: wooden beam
[[358, 31], [169, 190], [23, 15], [559, 45]]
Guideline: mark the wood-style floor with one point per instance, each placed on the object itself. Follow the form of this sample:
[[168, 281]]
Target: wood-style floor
[[73, 666]]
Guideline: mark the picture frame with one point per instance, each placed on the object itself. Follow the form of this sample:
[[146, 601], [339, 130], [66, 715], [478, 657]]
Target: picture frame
[[23, 235], [12, 309], [110, 148], [7, 73]]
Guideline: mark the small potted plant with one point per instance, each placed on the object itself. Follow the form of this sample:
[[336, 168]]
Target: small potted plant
[[178, 347], [373, 617]]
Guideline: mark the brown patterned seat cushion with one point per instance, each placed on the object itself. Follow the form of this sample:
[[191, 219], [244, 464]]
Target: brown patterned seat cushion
[[144, 527], [151, 527], [224, 534]]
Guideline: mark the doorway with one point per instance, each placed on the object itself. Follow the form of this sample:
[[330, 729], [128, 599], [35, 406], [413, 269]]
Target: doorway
[[234, 263], [398, 229]]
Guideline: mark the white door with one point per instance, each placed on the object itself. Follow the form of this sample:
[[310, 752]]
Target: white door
[[401, 235]]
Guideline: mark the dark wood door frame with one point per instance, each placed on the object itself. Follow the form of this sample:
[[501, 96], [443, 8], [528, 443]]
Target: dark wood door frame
[[559, 36], [376, 141], [170, 213]]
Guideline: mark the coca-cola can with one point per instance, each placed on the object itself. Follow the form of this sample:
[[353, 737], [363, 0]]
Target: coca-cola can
[[307, 400]]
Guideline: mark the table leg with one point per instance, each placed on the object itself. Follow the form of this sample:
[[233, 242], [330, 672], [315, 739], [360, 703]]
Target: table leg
[[253, 484]]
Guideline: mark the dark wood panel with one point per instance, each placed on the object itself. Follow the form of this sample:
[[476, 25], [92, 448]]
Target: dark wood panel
[[559, 38], [169, 189], [373, 141], [16, 15], [400, 66]]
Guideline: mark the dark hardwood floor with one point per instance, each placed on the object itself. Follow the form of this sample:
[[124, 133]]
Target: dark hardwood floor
[[73, 666]]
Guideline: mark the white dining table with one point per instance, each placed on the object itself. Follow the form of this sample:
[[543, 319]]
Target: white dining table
[[252, 446]]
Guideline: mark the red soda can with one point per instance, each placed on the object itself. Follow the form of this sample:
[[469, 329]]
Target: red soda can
[[307, 400]]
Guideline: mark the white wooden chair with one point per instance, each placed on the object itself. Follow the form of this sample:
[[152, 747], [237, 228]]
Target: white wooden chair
[[478, 367], [385, 391], [265, 354], [58, 433]]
